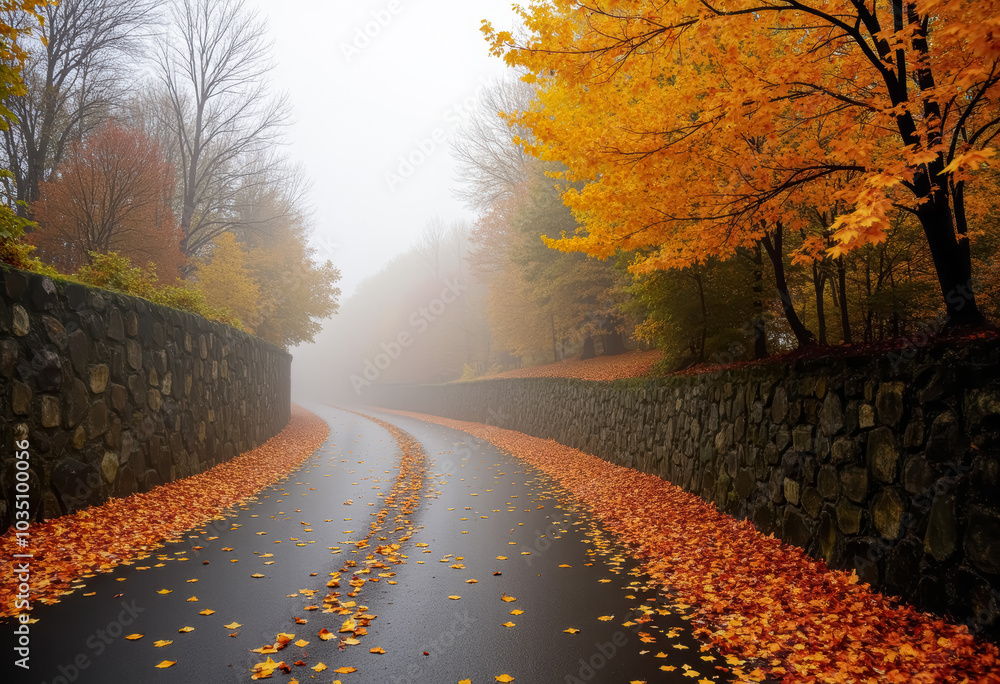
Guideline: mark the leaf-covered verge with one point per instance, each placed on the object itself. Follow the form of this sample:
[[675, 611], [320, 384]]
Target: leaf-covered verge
[[755, 596], [602, 368], [122, 531]]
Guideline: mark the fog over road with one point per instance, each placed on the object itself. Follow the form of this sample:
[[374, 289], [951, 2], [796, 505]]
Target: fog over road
[[482, 515]]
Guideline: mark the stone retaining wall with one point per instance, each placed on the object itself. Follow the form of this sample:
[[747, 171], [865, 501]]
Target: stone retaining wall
[[887, 465], [116, 395]]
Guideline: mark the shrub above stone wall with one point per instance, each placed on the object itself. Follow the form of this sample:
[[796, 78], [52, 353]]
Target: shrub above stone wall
[[116, 395], [887, 465]]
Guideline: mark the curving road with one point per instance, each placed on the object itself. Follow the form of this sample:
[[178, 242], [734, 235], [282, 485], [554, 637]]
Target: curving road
[[482, 515]]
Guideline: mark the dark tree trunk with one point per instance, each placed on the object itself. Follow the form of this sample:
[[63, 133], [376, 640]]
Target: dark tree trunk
[[819, 285], [613, 343], [952, 260], [774, 251], [759, 333], [845, 321], [589, 351], [704, 315]]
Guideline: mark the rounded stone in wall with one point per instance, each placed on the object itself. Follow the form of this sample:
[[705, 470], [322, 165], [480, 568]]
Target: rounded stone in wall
[[77, 484], [887, 513], [982, 541]]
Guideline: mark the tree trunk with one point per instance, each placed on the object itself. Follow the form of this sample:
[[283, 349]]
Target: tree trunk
[[845, 321], [555, 350], [774, 251], [819, 285], [704, 315], [589, 351], [759, 333], [613, 343], [952, 260]]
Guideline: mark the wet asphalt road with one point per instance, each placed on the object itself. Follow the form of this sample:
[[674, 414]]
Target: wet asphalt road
[[483, 516]]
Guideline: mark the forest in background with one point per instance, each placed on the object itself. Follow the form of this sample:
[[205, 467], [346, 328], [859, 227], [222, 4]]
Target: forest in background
[[142, 147]]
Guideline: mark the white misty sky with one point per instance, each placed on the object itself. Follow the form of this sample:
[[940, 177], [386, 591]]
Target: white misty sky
[[355, 116]]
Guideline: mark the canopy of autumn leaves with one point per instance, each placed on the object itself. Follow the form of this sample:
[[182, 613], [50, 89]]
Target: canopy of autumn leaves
[[694, 126], [112, 194]]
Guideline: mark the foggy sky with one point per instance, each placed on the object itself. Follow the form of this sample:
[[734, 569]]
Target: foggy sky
[[359, 107]]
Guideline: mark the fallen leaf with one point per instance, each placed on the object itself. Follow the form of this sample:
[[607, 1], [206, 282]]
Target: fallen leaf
[[185, 630], [319, 667], [507, 598], [346, 669], [161, 643], [377, 649], [571, 630], [504, 678], [134, 637], [207, 611], [166, 663], [454, 598], [233, 625]]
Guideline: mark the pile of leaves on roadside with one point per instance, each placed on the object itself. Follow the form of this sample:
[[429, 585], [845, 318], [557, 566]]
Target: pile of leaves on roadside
[[757, 598], [100, 538]]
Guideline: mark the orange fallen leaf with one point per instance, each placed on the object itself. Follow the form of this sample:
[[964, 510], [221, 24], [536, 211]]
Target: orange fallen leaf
[[377, 649], [233, 625], [207, 611], [161, 643], [319, 667], [185, 630], [134, 637], [166, 663], [346, 669]]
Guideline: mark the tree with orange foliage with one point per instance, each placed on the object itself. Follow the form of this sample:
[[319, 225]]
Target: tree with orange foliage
[[112, 193], [702, 127]]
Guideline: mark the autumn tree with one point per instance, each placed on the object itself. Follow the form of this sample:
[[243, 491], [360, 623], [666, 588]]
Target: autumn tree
[[76, 71], [761, 111], [113, 193], [213, 66], [297, 291], [227, 283], [18, 18]]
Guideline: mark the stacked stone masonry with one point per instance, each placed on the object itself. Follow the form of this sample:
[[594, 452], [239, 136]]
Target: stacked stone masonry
[[116, 395], [888, 465]]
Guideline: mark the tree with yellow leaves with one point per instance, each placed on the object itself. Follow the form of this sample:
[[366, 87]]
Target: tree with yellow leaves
[[700, 127], [227, 283]]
